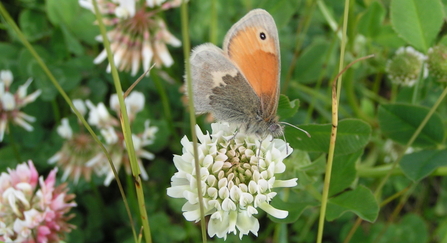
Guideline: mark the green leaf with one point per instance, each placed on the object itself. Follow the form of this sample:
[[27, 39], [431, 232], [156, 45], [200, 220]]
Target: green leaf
[[60, 12], [370, 24], [68, 75], [33, 24], [417, 22], [308, 172], [8, 52], [287, 108], [400, 121], [71, 41], [311, 62], [411, 228], [281, 10], [343, 172], [418, 165], [388, 38], [352, 135], [360, 201]]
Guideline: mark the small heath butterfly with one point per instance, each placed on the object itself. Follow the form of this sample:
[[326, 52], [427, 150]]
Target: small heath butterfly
[[240, 84]]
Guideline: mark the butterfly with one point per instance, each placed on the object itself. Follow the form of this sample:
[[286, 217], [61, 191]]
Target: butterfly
[[239, 84]]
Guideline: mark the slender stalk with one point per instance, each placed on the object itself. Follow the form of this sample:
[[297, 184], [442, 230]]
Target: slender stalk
[[213, 22], [335, 100], [44, 67], [125, 126], [192, 117], [417, 85]]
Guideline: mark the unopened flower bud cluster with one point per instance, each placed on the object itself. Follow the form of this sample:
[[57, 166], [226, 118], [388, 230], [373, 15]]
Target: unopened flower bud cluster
[[407, 64]]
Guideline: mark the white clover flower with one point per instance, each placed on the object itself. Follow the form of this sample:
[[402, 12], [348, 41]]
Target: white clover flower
[[137, 35], [237, 177]]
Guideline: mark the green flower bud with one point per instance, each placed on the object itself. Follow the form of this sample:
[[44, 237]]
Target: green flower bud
[[437, 62], [405, 67]]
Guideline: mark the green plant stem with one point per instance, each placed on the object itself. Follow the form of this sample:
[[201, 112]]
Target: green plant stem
[[192, 117], [394, 88], [42, 64], [125, 126], [335, 101], [213, 22], [418, 83]]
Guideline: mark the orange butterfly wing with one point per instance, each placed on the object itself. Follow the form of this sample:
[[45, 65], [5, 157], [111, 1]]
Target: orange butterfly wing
[[252, 44]]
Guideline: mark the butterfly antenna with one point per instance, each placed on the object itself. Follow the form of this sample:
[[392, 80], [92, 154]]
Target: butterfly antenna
[[286, 123]]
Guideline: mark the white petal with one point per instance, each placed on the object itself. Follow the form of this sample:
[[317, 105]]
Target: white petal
[[64, 130], [285, 183], [8, 101], [246, 223], [277, 213], [80, 106], [6, 77]]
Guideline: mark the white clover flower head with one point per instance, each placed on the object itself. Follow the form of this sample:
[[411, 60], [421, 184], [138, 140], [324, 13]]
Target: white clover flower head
[[138, 35], [437, 62], [406, 65], [237, 176]]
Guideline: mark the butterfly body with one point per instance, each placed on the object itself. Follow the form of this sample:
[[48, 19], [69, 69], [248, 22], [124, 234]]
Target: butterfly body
[[239, 84]]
